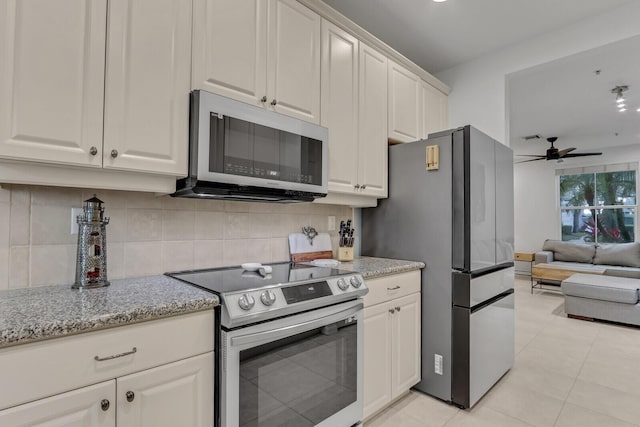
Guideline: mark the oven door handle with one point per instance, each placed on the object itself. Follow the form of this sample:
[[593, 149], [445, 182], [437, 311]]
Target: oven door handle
[[287, 331]]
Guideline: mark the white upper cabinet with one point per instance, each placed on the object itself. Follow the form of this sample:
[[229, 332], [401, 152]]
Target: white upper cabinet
[[146, 120], [340, 106], [434, 110], [52, 56], [354, 109], [293, 60], [405, 104], [259, 52], [372, 120], [230, 48]]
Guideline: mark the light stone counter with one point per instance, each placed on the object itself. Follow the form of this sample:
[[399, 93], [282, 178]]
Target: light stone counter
[[371, 267], [31, 314]]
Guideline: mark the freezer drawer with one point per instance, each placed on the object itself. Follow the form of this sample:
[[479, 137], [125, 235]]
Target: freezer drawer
[[469, 290], [483, 348]]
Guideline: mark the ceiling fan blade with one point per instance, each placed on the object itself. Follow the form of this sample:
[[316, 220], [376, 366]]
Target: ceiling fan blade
[[566, 151], [532, 160], [583, 154], [542, 156]]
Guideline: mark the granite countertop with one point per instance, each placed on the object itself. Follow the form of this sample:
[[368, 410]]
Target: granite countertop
[[371, 267], [31, 314]]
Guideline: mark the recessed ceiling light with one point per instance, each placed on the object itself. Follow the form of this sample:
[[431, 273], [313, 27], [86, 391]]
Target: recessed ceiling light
[[439, 1], [638, 110]]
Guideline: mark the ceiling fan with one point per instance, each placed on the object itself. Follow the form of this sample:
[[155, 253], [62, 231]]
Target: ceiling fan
[[554, 154]]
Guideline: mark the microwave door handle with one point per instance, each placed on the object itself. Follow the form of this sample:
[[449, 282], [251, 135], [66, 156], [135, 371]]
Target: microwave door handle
[[287, 331]]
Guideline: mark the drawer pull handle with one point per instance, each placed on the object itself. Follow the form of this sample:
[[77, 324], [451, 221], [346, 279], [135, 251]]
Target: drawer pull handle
[[104, 404], [392, 311], [394, 288], [130, 396], [115, 356], [397, 308]]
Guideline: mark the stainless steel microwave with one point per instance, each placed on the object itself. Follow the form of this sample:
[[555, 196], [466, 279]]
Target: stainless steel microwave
[[245, 152]]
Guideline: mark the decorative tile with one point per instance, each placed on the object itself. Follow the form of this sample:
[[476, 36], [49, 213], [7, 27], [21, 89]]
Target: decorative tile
[[51, 225], [142, 259], [209, 225], [19, 267], [144, 225], [208, 253], [53, 264], [177, 256], [178, 225]]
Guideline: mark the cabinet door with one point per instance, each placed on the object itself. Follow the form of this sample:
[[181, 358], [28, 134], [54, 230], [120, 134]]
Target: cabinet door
[[405, 104], [176, 394], [405, 369], [293, 60], [230, 48], [340, 105], [373, 146], [77, 408], [434, 110], [377, 358], [52, 80], [148, 77]]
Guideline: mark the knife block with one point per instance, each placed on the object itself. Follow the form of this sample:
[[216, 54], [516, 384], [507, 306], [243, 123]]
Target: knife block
[[345, 254]]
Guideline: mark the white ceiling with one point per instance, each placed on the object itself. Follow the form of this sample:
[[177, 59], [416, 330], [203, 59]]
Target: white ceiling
[[567, 99], [437, 36]]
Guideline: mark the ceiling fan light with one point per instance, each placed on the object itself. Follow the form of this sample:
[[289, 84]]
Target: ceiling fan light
[[622, 110], [619, 98], [439, 1], [622, 105]]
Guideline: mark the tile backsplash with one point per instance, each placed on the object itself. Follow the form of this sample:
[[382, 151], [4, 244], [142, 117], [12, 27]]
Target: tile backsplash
[[147, 234]]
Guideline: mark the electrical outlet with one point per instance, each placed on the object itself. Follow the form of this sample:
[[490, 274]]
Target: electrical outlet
[[437, 364], [74, 216], [331, 223]]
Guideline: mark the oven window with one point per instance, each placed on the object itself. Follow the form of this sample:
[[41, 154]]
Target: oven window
[[238, 147], [301, 380]]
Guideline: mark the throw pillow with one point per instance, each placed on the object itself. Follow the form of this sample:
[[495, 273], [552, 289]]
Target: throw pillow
[[570, 251], [625, 254]]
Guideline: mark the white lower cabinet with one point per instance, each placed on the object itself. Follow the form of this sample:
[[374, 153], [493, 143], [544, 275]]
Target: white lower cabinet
[[177, 394], [91, 406], [165, 378], [391, 339]]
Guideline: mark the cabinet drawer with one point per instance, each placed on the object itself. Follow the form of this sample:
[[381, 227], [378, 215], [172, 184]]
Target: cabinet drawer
[[41, 369], [386, 288], [524, 256]]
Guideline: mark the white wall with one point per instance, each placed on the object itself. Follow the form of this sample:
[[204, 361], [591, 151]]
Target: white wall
[[478, 87], [537, 216], [478, 97]]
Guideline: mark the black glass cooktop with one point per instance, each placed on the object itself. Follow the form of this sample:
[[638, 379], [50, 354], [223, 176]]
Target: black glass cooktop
[[232, 279]]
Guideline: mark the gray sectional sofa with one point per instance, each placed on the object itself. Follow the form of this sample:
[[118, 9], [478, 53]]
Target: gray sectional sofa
[[617, 259], [612, 293]]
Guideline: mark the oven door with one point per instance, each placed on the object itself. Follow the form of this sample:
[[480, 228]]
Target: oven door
[[302, 370]]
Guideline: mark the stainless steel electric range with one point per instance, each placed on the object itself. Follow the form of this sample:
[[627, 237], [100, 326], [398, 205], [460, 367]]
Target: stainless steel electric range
[[289, 346]]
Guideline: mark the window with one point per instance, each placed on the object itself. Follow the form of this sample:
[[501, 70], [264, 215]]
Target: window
[[598, 205]]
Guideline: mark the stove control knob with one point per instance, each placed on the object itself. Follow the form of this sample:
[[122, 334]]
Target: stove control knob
[[355, 282], [268, 298], [342, 284], [246, 302]]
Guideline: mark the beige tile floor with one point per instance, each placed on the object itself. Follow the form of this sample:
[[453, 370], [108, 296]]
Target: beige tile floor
[[567, 372]]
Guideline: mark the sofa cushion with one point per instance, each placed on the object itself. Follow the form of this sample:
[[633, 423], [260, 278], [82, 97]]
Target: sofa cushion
[[604, 288], [625, 254], [570, 251], [620, 271]]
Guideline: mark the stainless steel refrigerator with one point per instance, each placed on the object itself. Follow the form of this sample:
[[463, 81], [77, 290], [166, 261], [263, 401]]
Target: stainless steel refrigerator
[[458, 220]]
